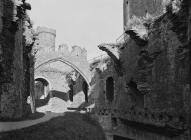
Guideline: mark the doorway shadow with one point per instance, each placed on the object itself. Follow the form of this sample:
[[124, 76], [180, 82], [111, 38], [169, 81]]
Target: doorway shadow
[[61, 95], [55, 93], [42, 102]]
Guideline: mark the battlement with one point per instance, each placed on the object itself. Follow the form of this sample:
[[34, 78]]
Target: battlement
[[46, 30], [64, 49], [75, 51], [78, 51]]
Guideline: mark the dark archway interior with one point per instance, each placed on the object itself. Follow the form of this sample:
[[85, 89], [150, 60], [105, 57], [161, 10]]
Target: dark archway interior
[[43, 81], [110, 89], [71, 91], [115, 137], [85, 90], [41, 87]]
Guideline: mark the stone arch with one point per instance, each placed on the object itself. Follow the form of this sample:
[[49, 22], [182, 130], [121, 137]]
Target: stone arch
[[43, 78], [110, 89], [46, 86], [79, 64]]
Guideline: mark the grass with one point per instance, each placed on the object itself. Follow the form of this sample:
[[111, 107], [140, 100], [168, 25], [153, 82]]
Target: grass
[[31, 116], [71, 126]]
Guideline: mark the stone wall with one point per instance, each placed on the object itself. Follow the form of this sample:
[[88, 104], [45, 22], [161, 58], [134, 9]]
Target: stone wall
[[140, 8], [152, 87], [76, 59], [57, 79], [12, 65], [55, 64]]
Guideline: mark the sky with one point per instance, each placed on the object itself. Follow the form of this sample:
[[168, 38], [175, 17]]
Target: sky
[[86, 23]]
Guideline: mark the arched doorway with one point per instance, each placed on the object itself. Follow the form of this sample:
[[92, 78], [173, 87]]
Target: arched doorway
[[41, 88], [110, 89], [85, 90]]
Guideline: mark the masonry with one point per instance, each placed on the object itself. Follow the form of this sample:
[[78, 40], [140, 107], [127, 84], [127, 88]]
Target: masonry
[[14, 71], [54, 65], [151, 77]]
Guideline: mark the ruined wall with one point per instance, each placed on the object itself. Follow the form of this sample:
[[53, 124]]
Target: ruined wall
[[28, 62], [76, 59], [140, 8], [12, 67], [55, 64], [153, 92]]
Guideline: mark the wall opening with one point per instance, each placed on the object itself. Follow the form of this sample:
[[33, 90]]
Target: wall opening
[[110, 89], [71, 79], [71, 92], [41, 88], [85, 90], [115, 137], [114, 122], [136, 95]]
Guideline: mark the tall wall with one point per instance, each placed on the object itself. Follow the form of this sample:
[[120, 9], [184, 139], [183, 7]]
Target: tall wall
[[152, 94], [140, 8], [12, 65]]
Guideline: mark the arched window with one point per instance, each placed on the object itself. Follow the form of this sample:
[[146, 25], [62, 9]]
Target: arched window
[[110, 89]]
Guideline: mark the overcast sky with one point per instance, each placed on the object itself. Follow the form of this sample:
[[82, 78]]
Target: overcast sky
[[86, 23]]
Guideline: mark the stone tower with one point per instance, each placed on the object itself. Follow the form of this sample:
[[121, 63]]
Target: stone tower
[[140, 8], [46, 37]]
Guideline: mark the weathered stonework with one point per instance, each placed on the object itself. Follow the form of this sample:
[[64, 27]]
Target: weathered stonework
[[12, 85], [53, 65], [140, 8], [152, 96], [46, 39], [47, 54]]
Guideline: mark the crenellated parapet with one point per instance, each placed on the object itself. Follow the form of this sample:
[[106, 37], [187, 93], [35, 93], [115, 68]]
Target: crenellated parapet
[[64, 48], [78, 51]]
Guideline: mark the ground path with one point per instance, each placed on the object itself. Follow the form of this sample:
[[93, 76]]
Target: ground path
[[57, 123], [70, 126]]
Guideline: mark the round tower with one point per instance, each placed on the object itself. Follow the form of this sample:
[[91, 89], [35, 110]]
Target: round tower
[[46, 39]]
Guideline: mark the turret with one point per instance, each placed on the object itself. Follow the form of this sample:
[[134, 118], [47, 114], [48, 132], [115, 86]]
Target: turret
[[46, 38]]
